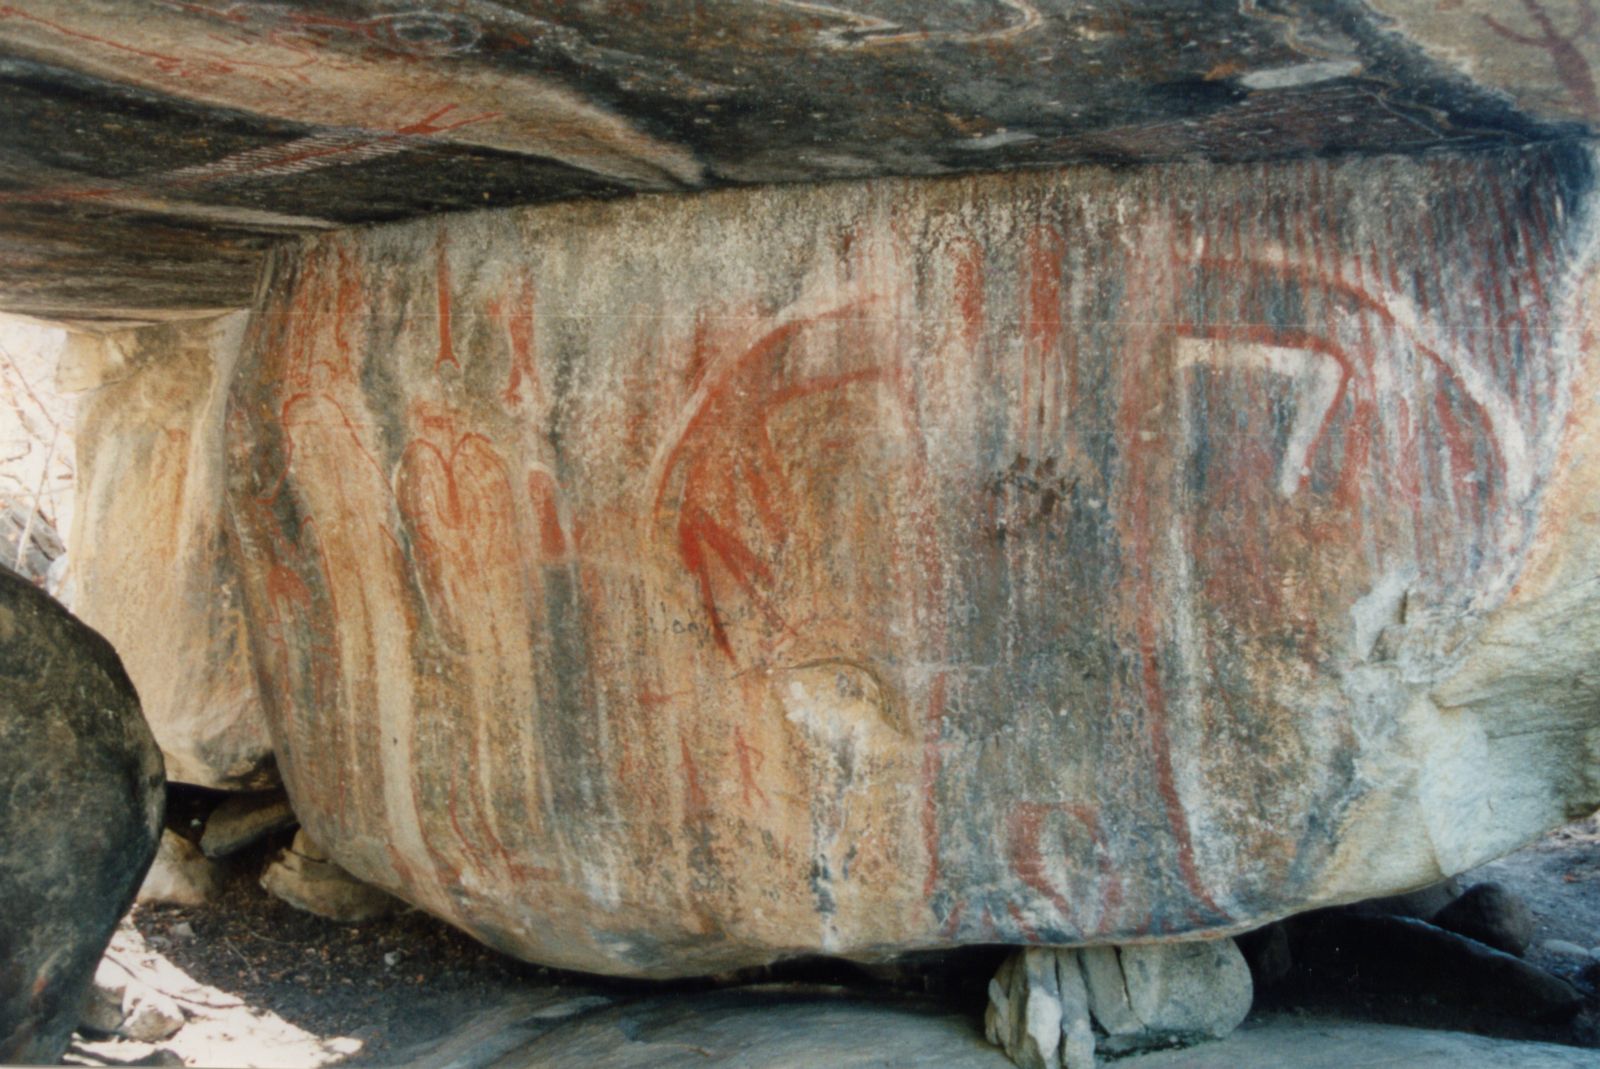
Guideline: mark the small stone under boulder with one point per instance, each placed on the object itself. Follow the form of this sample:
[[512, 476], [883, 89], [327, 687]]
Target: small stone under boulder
[[242, 820], [1052, 1008], [181, 874], [304, 877], [1492, 915], [118, 1006], [82, 792], [102, 1012]]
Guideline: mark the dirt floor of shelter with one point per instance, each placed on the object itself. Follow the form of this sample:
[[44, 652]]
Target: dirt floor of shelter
[[263, 984]]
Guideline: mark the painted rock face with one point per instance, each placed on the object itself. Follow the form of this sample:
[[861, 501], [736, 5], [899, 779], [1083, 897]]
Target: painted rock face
[[150, 558], [660, 587]]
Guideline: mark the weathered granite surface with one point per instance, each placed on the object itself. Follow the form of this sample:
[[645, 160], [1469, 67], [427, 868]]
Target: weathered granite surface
[[769, 1029], [152, 566], [156, 148], [80, 814], [1105, 556]]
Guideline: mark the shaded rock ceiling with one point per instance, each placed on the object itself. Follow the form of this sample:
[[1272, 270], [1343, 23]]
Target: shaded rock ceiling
[[152, 149]]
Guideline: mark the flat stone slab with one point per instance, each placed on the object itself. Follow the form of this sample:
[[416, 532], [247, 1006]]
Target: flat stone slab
[[1298, 1043], [244, 819], [753, 1029]]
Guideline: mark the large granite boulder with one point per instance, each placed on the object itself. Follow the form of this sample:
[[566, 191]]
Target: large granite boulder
[[149, 551], [1079, 557], [81, 796]]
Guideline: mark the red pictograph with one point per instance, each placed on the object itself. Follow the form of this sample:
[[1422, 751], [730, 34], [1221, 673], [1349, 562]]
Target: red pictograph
[[736, 508], [447, 352], [549, 513], [454, 493], [1571, 65], [1045, 840], [513, 312], [750, 761]]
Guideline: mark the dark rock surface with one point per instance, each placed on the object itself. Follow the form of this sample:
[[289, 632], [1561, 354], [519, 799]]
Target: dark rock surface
[[80, 812], [1492, 915], [1422, 903], [244, 819], [1267, 951], [154, 149], [1402, 970]]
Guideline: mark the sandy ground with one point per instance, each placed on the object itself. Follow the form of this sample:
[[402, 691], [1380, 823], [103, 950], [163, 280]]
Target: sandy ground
[[263, 984]]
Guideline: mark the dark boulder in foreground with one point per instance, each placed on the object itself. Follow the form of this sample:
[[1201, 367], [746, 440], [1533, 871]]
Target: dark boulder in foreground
[[81, 796]]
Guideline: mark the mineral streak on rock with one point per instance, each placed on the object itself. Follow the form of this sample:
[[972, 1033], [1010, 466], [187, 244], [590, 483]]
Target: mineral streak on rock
[[1096, 556]]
